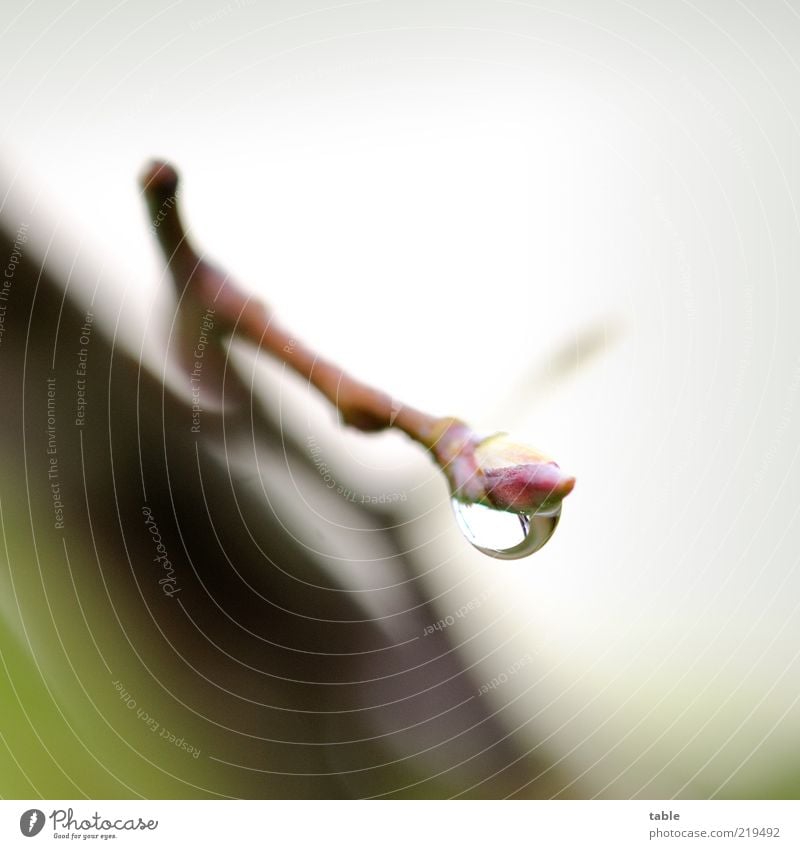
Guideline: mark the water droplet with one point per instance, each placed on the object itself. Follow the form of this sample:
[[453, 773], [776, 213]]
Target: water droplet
[[505, 535]]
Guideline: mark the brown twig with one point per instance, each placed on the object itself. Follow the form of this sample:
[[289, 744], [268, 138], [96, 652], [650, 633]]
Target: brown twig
[[477, 469]]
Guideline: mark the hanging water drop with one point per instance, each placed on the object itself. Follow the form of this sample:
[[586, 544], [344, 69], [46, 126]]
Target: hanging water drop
[[503, 534]]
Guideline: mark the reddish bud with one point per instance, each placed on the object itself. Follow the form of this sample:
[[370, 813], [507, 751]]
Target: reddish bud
[[519, 478]]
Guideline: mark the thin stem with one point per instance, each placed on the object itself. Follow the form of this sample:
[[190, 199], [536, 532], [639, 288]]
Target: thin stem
[[361, 405], [522, 485]]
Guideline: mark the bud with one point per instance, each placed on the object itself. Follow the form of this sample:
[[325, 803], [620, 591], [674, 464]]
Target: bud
[[518, 478]]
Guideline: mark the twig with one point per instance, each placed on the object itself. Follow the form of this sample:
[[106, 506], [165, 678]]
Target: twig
[[492, 471]]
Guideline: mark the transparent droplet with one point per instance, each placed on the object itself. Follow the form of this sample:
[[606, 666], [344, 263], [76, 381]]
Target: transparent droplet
[[505, 535]]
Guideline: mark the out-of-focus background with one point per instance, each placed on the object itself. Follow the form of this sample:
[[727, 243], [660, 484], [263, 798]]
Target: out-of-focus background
[[577, 222]]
